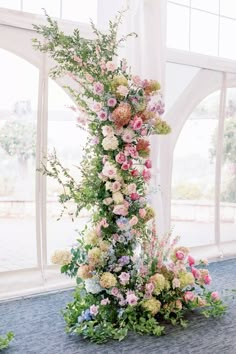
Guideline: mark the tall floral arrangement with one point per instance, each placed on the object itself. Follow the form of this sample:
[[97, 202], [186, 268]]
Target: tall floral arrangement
[[128, 278]]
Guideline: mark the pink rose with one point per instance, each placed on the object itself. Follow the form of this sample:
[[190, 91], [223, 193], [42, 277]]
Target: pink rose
[[111, 102], [143, 132], [94, 310], [142, 213], [137, 123], [110, 66], [134, 196], [191, 261], [132, 299], [124, 278], [189, 296], [134, 173], [122, 90], [97, 106], [125, 166], [105, 301], [148, 163], [207, 279], [133, 221], [98, 88], [120, 158], [115, 186], [131, 188], [146, 175], [115, 291], [102, 115], [128, 135], [215, 296], [195, 273], [180, 255], [120, 209]]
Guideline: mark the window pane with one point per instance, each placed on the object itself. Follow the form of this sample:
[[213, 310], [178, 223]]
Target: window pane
[[79, 11], [207, 5], [177, 27], [204, 33], [18, 112], [228, 175], [227, 29], [193, 178], [177, 79], [228, 8], [52, 7], [13, 4], [67, 139]]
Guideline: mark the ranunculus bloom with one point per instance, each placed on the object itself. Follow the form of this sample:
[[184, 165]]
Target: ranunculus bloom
[[111, 102], [189, 296], [115, 291], [191, 261], [98, 88], [133, 221], [180, 255], [94, 310], [132, 299], [124, 278], [125, 166], [97, 106], [148, 163], [146, 175], [128, 135], [142, 213], [102, 115], [110, 66], [215, 295], [120, 157], [134, 196]]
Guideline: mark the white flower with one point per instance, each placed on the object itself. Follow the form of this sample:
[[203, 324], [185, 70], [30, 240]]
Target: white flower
[[128, 135], [107, 130], [109, 170], [110, 143], [92, 285]]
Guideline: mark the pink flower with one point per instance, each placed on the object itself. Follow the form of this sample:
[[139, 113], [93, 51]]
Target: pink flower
[[137, 123], [189, 296], [122, 90], [97, 107], [175, 283], [136, 80], [195, 273], [124, 278], [128, 135], [148, 163], [125, 166], [104, 159], [104, 223], [134, 173], [120, 158], [98, 88], [115, 291], [102, 115], [215, 296], [180, 255], [120, 209], [115, 186], [143, 132], [134, 196], [149, 287], [78, 59], [133, 221], [89, 78], [94, 310], [95, 140], [107, 130], [132, 299], [131, 188], [110, 66], [111, 102], [105, 301], [146, 175], [191, 261], [207, 279], [142, 213]]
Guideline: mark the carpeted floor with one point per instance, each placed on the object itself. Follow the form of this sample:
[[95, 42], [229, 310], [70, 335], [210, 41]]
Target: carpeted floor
[[39, 327]]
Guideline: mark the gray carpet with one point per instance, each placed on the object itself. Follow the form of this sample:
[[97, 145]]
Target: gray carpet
[[39, 327]]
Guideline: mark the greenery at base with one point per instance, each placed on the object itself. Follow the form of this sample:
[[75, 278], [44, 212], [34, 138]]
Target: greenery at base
[[5, 341]]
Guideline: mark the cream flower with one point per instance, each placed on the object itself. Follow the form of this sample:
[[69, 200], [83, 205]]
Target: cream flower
[[110, 143], [107, 280], [118, 197], [61, 257]]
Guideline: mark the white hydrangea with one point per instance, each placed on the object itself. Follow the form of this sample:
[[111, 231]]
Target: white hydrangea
[[92, 286], [110, 143]]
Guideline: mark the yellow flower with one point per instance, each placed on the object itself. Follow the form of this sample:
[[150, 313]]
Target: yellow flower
[[107, 280], [159, 283], [95, 256], [104, 246], [85, 271], [152, 305], [61, 257], [91, 238], [118, 197], [117, 81], [186, 278]]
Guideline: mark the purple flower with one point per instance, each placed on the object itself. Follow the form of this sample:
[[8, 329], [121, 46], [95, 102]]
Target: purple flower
[[123, 260], [98, 88], [124, 278]]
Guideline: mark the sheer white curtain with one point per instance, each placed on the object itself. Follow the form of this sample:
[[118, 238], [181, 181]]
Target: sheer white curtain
[[147, 56]]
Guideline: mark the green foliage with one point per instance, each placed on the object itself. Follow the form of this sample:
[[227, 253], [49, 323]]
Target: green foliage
[[5, 341]]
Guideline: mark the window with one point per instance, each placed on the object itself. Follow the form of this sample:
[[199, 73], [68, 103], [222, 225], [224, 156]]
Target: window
[[202, 26]]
